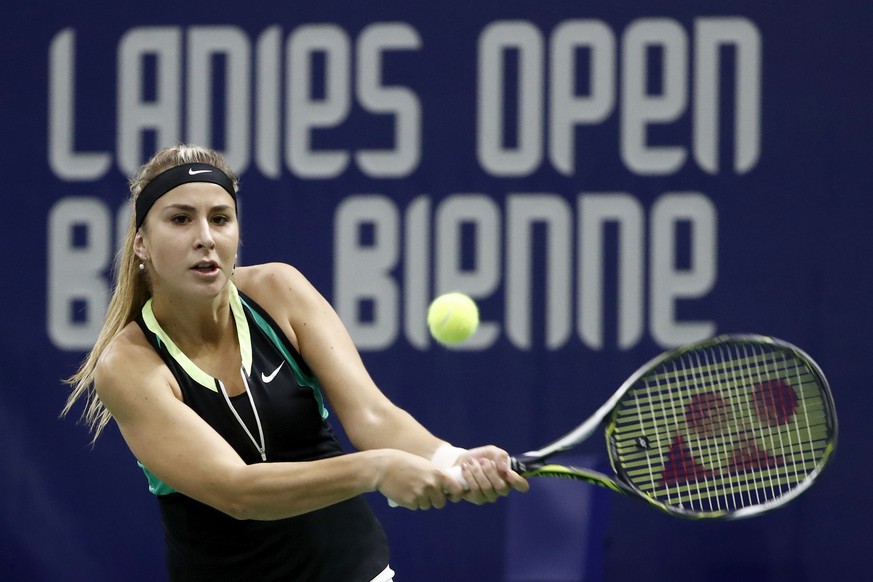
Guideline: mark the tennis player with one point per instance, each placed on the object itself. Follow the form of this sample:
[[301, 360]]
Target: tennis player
[[218, 378]]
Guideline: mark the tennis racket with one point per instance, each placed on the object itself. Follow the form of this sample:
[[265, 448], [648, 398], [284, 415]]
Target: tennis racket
[[728, 428]]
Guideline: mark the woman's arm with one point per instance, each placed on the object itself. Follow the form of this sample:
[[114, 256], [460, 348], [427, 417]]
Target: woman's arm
[[314, 328], [368, 417], [182, 450]]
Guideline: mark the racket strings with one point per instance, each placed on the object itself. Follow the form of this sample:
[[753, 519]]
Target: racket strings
[[722, 428]]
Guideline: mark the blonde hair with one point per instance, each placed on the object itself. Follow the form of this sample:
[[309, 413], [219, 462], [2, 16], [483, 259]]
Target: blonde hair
[[131, 287]]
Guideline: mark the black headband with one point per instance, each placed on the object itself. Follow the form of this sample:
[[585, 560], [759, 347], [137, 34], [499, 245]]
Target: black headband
[[176, 176]]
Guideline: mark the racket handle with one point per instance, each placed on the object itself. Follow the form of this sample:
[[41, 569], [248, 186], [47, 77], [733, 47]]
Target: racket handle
[[454, 471]]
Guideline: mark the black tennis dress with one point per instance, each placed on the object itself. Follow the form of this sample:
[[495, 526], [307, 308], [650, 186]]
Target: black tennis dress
[[340, 543]]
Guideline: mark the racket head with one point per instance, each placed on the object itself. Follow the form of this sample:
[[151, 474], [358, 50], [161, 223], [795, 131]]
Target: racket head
[[729, 427]]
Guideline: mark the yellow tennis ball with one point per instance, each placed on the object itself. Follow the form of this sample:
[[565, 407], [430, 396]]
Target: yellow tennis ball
[[452, 318]]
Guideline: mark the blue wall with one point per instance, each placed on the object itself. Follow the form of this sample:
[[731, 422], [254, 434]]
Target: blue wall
[[394, 150]]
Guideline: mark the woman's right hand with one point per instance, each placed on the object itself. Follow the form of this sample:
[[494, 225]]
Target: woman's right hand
[[413, 482]]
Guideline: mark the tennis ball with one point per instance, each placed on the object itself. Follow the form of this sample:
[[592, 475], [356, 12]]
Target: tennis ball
[[452, 318]]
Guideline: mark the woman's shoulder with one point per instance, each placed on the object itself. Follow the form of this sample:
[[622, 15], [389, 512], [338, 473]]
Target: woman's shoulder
[[272, 284], [128, 345], [130, 376], [251, 276], [127, 355]]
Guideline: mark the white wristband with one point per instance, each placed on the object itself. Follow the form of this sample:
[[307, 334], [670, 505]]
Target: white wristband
[[446, 455]]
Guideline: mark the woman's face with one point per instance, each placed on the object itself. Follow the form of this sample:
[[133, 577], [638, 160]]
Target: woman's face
[[189, 240]]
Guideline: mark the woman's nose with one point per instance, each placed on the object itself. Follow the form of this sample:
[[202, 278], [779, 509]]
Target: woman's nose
[[204, 235]]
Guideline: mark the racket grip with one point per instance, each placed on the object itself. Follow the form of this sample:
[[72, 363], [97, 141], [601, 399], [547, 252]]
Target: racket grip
[[454, 471]]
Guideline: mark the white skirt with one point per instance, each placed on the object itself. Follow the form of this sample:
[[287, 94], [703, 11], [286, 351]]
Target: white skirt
[[386, 575]]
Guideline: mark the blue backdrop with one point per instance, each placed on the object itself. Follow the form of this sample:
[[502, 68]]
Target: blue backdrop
[[607, 179]]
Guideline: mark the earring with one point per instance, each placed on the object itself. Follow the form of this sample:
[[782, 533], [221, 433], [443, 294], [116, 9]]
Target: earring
[[141, 267]]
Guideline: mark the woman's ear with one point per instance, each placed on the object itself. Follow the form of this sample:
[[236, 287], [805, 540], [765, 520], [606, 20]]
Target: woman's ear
[[139, 248]]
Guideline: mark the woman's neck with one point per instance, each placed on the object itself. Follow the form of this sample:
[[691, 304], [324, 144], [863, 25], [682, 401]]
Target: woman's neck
[[195, 323]]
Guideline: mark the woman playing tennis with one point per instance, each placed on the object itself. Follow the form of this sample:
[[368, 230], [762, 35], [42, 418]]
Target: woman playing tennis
[[218, 378]]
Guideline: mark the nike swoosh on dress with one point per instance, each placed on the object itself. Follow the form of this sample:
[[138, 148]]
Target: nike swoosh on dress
[[267, 379]]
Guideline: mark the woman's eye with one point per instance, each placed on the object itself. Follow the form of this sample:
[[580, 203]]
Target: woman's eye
[[220, 219], [179, 219]]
